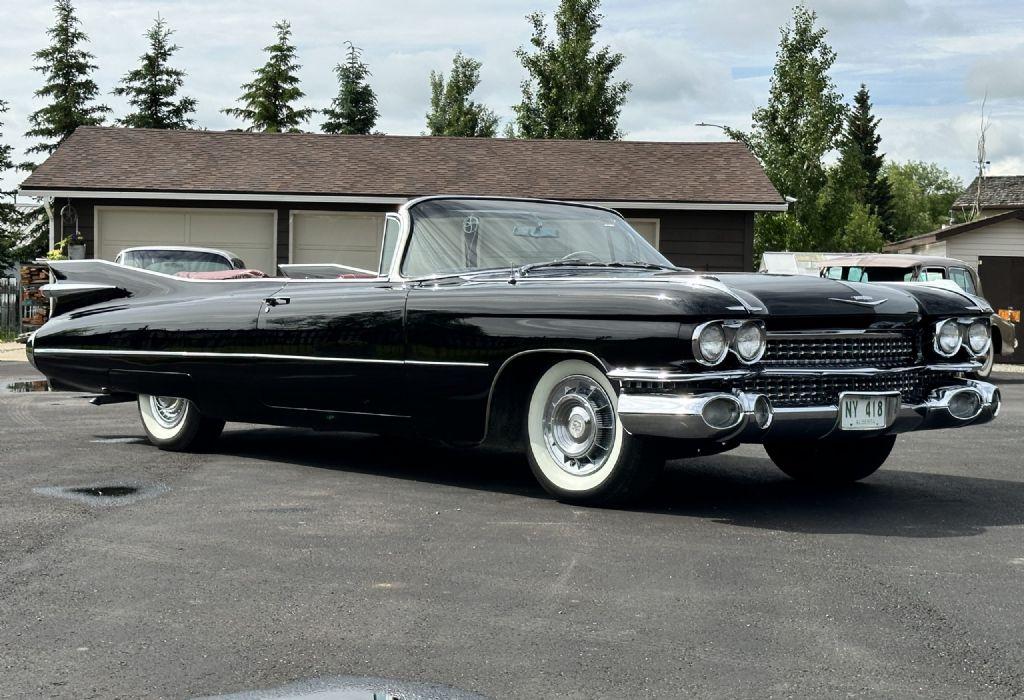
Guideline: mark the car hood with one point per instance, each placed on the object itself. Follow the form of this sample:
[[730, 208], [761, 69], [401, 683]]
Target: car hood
[[802, 295], [751, 293]]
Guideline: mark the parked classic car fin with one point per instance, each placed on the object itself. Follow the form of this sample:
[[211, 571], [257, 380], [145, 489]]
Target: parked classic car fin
[[82, 283]]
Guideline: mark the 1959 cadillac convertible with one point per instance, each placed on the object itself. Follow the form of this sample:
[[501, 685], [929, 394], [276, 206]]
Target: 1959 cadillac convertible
[[550, 327]]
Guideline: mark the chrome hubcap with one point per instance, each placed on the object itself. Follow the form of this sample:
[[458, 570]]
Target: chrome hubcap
[[579, 425], [167, 411]]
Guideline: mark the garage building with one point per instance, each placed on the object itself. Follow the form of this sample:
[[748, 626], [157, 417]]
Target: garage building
[[315, 198]]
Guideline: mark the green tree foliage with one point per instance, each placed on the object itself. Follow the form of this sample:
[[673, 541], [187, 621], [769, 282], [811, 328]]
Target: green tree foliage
[[794, 131], [452, 112], [12, 221], [861, 233], [570, 92], [267, 100], [354, 110], [922, 194], [68, 87], [152, 88], [859, 170]]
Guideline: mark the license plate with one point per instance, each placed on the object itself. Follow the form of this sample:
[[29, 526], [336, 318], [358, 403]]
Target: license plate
[[863, 412]]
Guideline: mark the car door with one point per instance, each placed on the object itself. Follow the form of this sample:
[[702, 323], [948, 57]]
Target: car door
[[335, 346]]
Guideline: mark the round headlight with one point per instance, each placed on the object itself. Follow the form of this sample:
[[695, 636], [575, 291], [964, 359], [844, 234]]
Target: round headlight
[[749, 342], [947, 337], [978, 337], [710, 346]]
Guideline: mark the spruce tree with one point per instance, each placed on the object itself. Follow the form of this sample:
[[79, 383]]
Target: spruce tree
[[354, 110], [570, 92], [860, 163], [68, 87], [452, 112], [267, 100], [792, 133], [152, 88], [12, 221]]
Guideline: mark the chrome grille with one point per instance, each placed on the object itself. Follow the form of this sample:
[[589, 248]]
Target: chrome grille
[[882, 352], [797, 390]]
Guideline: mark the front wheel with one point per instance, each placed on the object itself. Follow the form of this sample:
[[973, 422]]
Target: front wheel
[[831, 461], [176, 424], [575, 442], [985, 371]]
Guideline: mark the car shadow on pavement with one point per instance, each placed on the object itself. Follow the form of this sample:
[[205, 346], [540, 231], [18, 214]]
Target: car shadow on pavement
[[750, 492], [730, 489]]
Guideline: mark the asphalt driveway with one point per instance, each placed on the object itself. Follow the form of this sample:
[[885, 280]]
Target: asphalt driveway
[[289, 555]]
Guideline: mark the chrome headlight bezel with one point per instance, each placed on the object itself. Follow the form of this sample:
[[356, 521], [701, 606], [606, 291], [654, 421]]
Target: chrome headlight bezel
[[762, 341], [731, 330], [937, 335], [708, 359], [969, 344]]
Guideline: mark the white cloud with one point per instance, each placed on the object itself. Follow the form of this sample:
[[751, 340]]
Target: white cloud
[[926, 61]]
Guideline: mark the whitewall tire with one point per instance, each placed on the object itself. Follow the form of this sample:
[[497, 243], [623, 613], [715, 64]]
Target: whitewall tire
[[576, 445], [176, 424], [985, 371]]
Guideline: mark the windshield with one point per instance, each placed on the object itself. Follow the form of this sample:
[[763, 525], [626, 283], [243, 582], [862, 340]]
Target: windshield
[[171, 262], [869, 274], [452, 236]]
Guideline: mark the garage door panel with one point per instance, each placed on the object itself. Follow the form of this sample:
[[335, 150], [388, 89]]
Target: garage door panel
[[648, 228], [349, 238], [134, 227], [229, 228], [247, 234]]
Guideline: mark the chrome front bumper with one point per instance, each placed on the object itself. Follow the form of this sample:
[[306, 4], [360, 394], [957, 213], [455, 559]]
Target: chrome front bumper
[[680, 416]]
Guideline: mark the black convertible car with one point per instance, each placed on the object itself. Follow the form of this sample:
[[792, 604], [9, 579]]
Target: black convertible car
[[550, 327]]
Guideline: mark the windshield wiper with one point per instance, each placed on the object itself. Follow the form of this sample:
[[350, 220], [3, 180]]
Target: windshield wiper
[[566, 262], [577, 262], [642, 264]]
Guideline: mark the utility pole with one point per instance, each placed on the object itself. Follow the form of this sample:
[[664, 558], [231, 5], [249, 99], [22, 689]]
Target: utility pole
[[981, 161]]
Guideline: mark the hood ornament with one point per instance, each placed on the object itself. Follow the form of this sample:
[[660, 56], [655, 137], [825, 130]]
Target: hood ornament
[[860, 300]]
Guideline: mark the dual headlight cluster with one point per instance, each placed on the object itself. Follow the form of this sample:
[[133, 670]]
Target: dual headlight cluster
[[713, 340], [975, 334]]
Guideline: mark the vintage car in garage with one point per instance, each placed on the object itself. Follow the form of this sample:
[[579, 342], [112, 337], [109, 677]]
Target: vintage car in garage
[[548, 327]]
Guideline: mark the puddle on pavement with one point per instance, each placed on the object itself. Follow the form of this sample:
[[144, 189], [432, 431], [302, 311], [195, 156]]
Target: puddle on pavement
[[104, 495], [353, 688], [24, 387], [106, 491]]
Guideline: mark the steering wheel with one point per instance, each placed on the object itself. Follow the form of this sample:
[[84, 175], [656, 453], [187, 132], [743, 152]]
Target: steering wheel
[[581, 253]]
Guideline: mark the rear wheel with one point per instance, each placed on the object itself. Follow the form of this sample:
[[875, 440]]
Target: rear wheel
[[176, 424], [831, 461], [575, 442]]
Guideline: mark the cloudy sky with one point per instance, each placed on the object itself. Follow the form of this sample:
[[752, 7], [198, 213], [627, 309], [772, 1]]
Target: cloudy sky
[[928, 63]]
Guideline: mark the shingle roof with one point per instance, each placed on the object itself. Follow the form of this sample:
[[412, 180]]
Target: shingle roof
[[140, 160], [997, 192]]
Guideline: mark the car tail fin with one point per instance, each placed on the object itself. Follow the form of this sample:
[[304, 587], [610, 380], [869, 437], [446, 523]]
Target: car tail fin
[[81, 283]]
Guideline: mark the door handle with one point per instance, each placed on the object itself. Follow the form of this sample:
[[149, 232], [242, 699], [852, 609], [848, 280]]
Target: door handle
[[277, 301]]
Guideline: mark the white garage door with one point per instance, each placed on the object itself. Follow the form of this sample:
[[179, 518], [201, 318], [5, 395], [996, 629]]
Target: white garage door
[[648, 228], [345, 238], [249, 234]]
